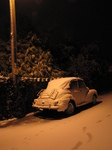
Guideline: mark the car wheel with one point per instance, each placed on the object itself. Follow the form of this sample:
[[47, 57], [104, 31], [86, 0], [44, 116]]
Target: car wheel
[[70, 109], [94, 99]]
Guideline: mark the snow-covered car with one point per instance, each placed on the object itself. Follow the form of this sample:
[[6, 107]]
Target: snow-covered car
[[65, 94]]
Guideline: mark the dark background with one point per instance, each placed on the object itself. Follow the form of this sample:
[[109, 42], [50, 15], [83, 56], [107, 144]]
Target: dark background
[[81, 20]]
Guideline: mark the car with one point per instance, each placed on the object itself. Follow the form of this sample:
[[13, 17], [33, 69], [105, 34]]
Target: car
[[65, 95]]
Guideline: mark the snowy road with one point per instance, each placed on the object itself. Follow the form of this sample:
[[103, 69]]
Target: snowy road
[[89, 129]]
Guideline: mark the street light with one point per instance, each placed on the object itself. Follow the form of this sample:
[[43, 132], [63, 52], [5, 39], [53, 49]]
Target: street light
[[13, 39]]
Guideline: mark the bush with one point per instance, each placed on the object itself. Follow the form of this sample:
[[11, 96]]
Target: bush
[[17, 101]]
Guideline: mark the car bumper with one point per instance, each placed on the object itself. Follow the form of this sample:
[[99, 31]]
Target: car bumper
[[59, 108], [45, 107]]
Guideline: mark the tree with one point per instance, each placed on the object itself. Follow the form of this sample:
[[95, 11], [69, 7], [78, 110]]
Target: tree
[[35, 63], [87, 64]]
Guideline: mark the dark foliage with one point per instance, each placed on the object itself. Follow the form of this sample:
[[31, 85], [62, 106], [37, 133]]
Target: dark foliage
[[17, 101]]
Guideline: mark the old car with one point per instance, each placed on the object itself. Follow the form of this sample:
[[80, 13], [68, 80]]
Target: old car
[[65, 94]]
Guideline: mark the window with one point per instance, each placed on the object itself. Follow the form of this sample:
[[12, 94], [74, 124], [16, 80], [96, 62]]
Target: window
[[81, 84], [73, 85]]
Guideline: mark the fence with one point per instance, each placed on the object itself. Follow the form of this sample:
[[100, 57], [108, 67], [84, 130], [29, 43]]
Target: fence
[[2, 79]]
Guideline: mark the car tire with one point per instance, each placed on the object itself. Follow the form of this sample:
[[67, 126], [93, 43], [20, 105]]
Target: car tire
[[70, 109], [94, 99]]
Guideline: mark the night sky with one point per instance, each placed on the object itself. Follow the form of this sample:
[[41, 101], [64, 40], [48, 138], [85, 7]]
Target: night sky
[[83, 20]]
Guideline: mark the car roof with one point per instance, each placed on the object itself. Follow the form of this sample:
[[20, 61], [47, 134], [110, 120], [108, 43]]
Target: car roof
[[60, 81], [63, 79]]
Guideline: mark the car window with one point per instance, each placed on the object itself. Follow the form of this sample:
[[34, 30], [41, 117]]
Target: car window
[[73, 85], [81, 84]]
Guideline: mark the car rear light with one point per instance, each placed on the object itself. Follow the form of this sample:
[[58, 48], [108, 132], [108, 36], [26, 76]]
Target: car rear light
[[56, 103]]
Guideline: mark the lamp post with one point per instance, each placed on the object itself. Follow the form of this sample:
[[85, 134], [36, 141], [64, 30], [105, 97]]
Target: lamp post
[[13, 39]]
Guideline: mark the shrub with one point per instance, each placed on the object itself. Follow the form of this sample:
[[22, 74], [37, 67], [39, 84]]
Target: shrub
[[17, 101]]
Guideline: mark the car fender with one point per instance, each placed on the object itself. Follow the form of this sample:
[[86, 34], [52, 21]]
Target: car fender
[[64, 100], [90, 94]]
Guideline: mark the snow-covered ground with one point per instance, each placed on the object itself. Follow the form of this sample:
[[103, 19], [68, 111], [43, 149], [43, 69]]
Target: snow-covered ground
[[89, 129]]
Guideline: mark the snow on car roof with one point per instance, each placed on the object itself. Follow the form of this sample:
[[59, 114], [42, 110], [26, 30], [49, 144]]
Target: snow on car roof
[[60, 81]]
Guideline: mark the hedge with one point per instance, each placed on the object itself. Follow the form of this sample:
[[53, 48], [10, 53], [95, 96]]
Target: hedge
[[17, 101]]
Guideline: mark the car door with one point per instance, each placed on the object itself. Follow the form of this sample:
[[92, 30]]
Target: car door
[[74, 88], [83, 91]]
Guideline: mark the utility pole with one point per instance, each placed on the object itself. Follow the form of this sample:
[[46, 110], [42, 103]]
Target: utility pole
[[13, 39]]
